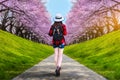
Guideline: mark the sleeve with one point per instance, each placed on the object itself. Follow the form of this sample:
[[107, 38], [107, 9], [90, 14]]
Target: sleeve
[[50, 32], [64, 30]]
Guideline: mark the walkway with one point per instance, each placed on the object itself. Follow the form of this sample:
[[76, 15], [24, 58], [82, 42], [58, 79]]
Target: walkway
[[71, 70]]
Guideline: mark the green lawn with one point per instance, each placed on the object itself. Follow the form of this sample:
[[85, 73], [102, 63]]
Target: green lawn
[[18, 54], [101, 54]]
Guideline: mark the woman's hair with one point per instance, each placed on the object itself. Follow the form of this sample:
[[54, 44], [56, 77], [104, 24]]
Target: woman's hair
[[57, 24]]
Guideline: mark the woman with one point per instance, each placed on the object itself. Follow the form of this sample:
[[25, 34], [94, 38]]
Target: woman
[[57, 31]]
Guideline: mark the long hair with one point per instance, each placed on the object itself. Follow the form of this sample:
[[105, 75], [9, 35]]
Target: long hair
[[57, 24]]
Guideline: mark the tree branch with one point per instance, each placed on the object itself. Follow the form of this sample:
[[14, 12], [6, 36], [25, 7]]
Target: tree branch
[[116, 1], [3, 1]]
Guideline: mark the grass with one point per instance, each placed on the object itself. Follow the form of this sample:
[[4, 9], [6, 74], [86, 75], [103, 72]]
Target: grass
[[101, 54], [18, 54]]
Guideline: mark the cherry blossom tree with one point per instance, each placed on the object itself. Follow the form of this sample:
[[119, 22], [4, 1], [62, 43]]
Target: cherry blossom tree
[[26, 18], [89, 19]]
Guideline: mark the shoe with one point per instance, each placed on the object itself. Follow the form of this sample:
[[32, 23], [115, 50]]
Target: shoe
[[57, 71]]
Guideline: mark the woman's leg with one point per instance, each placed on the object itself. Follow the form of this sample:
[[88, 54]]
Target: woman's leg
[[60, 57], [56, 56]]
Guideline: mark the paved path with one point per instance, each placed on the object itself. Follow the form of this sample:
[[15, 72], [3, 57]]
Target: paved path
[[71, 70]]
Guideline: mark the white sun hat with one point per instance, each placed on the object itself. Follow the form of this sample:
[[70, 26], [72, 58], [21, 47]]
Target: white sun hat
[[58, 17]]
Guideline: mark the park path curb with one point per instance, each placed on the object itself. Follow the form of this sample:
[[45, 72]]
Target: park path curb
[[71, 70]]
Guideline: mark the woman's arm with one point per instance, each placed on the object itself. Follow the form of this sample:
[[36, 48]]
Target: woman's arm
[[51, 32], [64, 30]]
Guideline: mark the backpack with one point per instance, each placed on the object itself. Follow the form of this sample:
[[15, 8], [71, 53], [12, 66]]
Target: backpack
[[57, 33]]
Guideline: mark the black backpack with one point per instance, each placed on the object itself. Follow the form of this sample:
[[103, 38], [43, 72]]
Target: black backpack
[[57, 33]]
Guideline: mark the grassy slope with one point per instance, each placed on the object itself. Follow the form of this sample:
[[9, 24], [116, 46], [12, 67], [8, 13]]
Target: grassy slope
[[17, 54], [101, 54]]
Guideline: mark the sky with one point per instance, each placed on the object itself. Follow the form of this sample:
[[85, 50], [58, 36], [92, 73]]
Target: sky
[[58, 6]]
